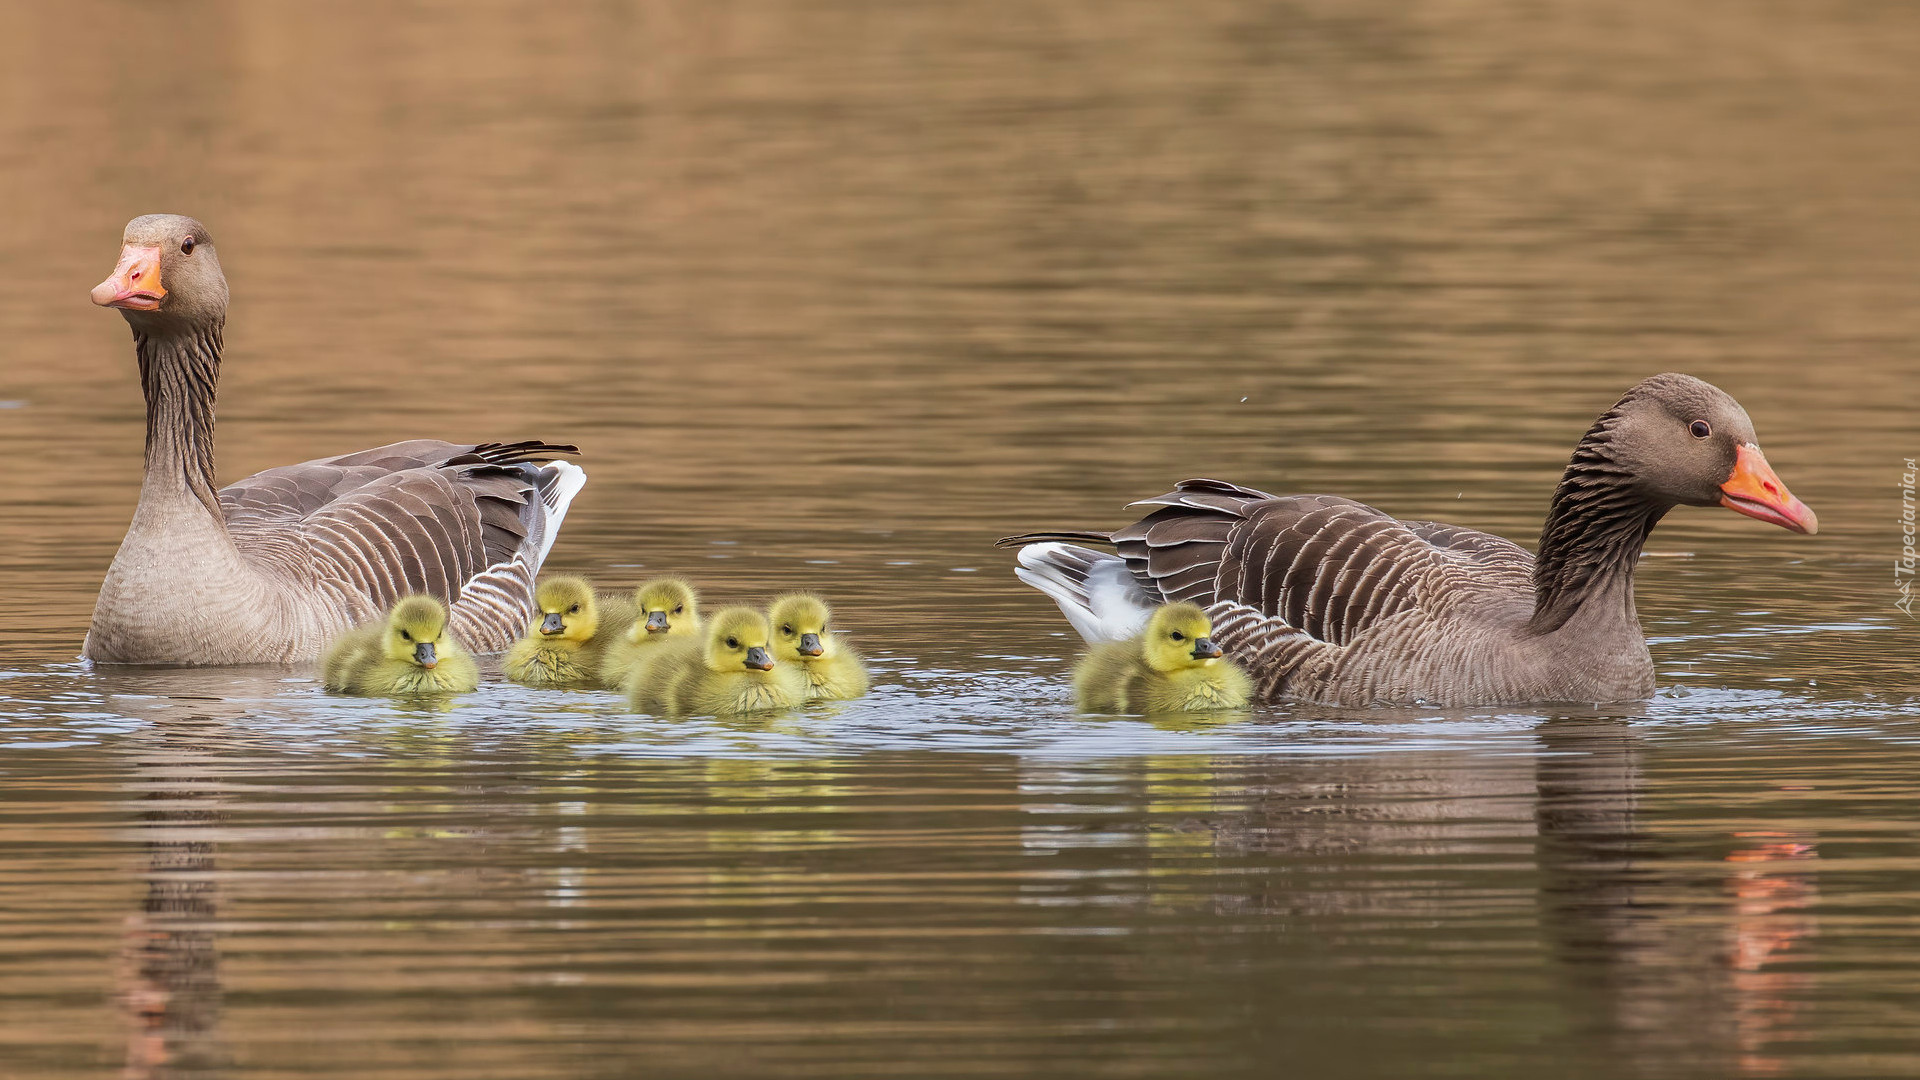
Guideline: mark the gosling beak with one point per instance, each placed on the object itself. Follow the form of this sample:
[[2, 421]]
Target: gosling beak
[[810, 645], [134, 284], [423, 655], [1753, 490], [553, 624], [758, 659], [1205, 649], [657, 622]]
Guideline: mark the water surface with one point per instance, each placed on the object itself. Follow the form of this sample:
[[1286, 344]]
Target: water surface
[[835, 294]]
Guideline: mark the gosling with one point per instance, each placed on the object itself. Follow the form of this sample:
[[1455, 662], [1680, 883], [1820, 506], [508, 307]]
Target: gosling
[[565, 645], [1172, 666], [801, 638], [409, 652], [729, 671], [668, 610]]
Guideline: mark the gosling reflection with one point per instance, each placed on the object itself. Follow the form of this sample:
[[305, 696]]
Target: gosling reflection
[[1197, 721], [170, 971]]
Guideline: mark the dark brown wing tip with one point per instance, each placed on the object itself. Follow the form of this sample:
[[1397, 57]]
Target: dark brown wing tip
[[1064, 536], [1200, 485], [515, 453]]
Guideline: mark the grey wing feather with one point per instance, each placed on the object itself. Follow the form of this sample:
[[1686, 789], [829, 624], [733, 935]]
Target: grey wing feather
[[291, 492], [1499, 558], [467, 523], [1319, 565]]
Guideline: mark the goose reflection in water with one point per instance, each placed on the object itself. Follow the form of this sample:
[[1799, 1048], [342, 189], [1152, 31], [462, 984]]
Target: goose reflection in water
[[170, 980], [1665, 953], [1623, 910]]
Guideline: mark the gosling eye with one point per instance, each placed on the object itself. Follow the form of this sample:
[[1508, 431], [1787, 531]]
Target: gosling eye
[[787, 630], [1700, 428], [406, 635], [1178, 636], [574, 610], [186, 246], [678, 608], [733, 643]]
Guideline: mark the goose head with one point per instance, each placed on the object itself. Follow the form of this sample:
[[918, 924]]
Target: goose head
[[168, 276], [416, 630], [567, 610], [668, 606], [800, 629], [738, 640], [1178, 637], [1678, 440]]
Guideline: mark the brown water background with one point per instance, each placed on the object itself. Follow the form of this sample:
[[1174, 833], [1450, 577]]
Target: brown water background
[[833, 294]]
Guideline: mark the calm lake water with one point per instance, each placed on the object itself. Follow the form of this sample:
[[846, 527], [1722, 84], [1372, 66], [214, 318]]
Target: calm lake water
[[834, 294]]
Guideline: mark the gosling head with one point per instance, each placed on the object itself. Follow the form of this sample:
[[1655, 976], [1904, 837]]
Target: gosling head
[[567, 611], [738, 640], [416, 627], [667, 606], [168, 277], [1180, 636], [800, 628]]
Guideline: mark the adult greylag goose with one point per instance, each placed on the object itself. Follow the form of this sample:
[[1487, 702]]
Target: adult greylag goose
[[1327, 600], [270, 568]]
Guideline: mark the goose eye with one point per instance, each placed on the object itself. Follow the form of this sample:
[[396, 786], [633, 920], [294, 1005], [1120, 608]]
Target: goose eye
[[1178, 636], [677, 608], [1700, 428], [733, 643], [406, 635], [574, 610], [186, 246], [787, 630]]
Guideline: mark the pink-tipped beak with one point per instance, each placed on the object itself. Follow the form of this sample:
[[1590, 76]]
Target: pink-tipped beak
[[1755, 491], [134, 284]]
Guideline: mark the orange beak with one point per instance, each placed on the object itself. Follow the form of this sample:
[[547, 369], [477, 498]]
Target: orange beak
[[134, 285], [1753, 490]]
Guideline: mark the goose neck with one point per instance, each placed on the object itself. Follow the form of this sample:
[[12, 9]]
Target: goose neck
[[1595, 531], [179, 374]]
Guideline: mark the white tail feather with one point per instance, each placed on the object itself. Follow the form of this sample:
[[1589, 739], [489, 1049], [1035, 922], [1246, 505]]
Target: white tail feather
[[1093, 589], [558, 496]]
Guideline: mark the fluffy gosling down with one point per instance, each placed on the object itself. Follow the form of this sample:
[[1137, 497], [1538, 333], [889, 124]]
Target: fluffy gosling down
[[801, 638], [565, 644], [1172, 666], [667, 610], [409, 652], [730, 670]]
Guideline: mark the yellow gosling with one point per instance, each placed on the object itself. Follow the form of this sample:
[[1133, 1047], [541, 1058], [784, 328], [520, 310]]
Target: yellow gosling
[[729, 671], [1172, 666], [409, 652], [801, 637], [565, 644], [667, 609]]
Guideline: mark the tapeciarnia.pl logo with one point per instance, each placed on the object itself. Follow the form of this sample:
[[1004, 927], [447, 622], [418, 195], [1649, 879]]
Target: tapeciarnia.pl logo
[[1903, 567]]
